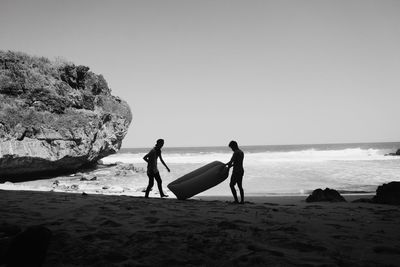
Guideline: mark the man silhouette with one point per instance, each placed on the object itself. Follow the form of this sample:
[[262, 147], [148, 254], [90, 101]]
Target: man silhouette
[[152, 170], [237, 172]]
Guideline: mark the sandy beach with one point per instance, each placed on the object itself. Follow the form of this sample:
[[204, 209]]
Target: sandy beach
[[104, 230], [105, 102]]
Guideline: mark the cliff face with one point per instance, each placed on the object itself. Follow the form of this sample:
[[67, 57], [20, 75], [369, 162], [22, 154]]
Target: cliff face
[[55, 117]]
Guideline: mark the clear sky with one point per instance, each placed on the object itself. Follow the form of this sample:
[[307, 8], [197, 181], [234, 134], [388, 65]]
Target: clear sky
[[201, 73]]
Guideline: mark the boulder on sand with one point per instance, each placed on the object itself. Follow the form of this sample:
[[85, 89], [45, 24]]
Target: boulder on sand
[[388, 194], [330, 195], [394, 154], [55, 117]]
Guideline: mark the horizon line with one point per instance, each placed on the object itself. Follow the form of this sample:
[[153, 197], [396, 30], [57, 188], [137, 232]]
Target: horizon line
[[309, 144]]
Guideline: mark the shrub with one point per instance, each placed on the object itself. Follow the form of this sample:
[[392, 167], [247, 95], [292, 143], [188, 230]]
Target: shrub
[[49, 85]]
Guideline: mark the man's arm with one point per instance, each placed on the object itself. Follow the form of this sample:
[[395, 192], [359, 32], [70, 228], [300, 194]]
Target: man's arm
[[162, 161], [146, 158], [231, 162]]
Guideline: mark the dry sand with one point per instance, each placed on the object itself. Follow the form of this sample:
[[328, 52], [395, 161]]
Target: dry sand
[[101, 230]]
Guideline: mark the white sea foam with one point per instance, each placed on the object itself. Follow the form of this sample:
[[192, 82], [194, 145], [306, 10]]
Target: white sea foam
[[288, 172], [266, 172], [350, 154]]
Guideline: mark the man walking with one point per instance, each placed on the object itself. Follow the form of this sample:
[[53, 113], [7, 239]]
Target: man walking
[[152, 170]]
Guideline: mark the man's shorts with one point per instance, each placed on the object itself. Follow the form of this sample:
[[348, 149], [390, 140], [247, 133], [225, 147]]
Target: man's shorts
[[237, 176], [152, 172]]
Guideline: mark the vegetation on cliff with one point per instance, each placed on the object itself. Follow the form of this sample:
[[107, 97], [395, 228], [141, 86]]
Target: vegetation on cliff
[[36, 91]]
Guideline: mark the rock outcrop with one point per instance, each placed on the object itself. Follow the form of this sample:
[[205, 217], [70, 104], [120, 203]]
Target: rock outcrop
[[55, 117], [330, 195], [394, 154], [388, 194]]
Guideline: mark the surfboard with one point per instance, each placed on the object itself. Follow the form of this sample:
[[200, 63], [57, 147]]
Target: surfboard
[[199, 180]]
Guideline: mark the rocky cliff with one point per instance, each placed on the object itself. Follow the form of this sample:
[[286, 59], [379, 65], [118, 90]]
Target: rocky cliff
[[55, 117]]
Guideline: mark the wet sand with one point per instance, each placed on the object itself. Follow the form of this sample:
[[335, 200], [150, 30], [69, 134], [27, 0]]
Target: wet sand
[[104, 230]]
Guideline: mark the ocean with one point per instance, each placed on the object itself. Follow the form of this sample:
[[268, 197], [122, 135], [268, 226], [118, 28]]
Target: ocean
[[282, 169], [269, 170]]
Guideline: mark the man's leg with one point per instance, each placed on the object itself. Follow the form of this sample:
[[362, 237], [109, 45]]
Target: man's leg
[[232, 186], [151, 183], [239, 183], [159, 183]]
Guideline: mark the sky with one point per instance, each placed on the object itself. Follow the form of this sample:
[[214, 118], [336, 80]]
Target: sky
[[202, 73]]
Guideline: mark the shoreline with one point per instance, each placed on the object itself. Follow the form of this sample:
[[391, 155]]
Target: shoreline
[[281, 198], [348, 196]]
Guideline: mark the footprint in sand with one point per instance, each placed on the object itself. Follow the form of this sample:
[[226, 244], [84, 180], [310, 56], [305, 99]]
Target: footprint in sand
[[110, 223], [174, 210], [225, 225], [241, 221], [260, 248], [152, 220], [337, 226], [271, 204], [57, 222], [304, 247], [291, 229], [313, 206], [345, 237], [260, 207]]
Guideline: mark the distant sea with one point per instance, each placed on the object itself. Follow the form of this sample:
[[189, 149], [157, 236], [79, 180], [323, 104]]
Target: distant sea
[[284, 169]]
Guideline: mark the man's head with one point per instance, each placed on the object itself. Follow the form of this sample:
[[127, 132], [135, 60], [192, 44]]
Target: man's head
[[233, 145], [160, 143]]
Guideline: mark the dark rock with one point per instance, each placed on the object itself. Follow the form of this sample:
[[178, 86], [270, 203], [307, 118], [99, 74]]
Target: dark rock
[[330, 195], [394, 154], [117, 173], [74, 187], [388, 194], [28, 248], [88, 177], [127, 167], [55, 118]]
